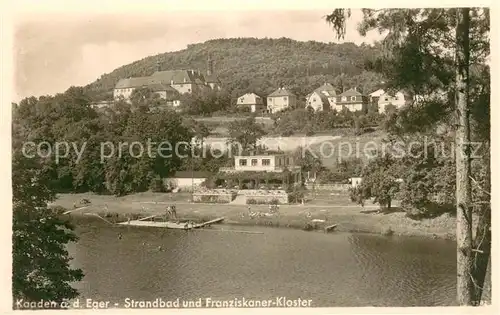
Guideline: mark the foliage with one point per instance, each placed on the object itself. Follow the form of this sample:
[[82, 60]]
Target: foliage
[[205, 103], [307, 161], [41, 269], [253, 201], [428, 178], [213, 199], [379, 181], [344, 170], [245, 134], [438, 56], [309, 122], [68, 119], [296, 196], [258, 65]]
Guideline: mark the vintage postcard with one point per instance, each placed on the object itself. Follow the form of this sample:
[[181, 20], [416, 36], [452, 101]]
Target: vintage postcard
[[250, 156]]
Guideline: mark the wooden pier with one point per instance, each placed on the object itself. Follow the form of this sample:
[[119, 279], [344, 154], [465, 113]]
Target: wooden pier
[[169, 224]]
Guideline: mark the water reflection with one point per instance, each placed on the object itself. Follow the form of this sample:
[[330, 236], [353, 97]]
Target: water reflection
[[331, 269]]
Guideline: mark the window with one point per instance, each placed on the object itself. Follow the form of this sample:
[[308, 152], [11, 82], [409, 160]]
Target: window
[[182, 85], [189, 90], [287, 161], [266, 162], [284, 98], [241, 100], [353, 98], [386, 99], [243, 162], [344, 98], [254, 162]]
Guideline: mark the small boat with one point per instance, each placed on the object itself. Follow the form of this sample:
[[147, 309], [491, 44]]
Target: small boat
[[169, 224]]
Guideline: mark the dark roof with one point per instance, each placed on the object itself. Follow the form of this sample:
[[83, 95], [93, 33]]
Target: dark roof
[[163, 77], [323, 97], [281, 92], [327, 87], [157, 87], [177, 76], [134, 82], [351, 92], [211, 79], [194, 174]]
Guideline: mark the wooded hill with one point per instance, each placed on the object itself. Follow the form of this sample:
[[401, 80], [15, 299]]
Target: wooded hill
[[259, 65]]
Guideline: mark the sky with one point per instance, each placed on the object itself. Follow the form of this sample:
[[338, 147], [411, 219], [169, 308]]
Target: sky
[[53, 51]]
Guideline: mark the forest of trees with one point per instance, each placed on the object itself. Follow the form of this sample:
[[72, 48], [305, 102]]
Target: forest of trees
[[430, 50], [68, 118], [260, 66]]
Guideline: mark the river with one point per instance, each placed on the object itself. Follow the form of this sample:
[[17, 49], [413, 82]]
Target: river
[[338, 269]]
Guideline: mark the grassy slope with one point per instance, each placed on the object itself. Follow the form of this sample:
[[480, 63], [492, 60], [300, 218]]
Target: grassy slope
[[333, 209], [258, 65]]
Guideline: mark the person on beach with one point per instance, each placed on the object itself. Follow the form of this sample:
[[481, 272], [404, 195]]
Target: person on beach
[[174, 212], [167, 213]]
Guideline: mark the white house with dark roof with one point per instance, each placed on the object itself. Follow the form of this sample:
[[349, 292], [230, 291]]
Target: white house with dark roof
[[281, 99], [323, 98], [352, 100], [254, 102], [398, 99]]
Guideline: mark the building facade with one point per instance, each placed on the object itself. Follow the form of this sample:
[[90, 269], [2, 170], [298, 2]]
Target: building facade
[[280, 99], [352, 100], [398, 100], [251, 101], [279, 168], [258, 163], [169, 84], [323, 98]]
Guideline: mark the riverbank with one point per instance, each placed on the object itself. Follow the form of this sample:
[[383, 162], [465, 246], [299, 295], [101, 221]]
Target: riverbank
[[322, 211]]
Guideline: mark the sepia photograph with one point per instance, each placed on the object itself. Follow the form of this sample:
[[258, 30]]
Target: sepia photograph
[[251, 158]]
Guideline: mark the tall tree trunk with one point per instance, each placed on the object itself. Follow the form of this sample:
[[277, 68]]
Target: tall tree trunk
[[465, 286], [482, 241]]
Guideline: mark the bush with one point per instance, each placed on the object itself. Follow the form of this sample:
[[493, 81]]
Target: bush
[[309, 227], [58, 209], [295, 196], [252, 201], [428, 210], [156, 185], [387, 231]]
